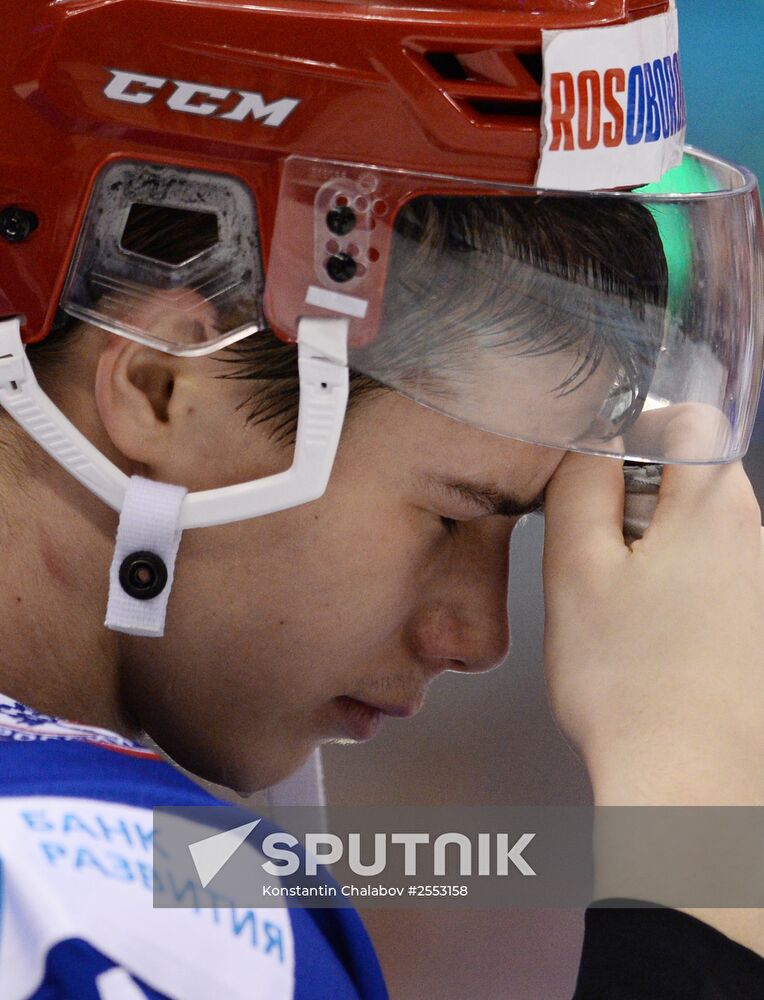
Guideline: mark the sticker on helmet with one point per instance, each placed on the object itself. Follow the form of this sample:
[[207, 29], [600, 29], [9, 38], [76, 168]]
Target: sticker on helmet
[[199, 98], [614, 110]]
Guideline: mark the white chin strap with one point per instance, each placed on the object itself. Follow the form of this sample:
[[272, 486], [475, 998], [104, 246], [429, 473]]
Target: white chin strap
[[153, 515]]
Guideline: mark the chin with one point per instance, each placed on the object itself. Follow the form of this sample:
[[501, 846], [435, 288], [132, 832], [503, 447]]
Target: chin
[[243, 765], [246, 773]]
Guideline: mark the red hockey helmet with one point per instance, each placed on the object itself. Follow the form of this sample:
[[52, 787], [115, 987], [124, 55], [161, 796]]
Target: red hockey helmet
[[313, 141], [234, 89]]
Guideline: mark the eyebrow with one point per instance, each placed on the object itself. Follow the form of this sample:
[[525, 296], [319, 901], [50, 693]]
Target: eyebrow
[[493, 500]]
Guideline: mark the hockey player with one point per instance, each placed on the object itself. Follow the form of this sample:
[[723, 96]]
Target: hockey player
[[232, 234]]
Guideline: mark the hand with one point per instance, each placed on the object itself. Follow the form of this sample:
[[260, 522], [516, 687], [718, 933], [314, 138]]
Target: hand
[[655, 653]]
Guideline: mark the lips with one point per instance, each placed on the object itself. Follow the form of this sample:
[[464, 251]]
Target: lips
[[401, 711], [362, 719], [397, 709]]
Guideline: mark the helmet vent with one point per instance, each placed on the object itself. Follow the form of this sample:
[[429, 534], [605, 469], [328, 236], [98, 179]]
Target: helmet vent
[[493, 87], [168, 235], [447, 65]]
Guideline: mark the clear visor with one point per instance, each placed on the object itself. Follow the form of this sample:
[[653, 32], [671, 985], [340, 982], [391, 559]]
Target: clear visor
[[618, 323]]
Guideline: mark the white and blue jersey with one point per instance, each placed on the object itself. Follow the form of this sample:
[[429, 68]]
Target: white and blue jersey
[[76, 880]]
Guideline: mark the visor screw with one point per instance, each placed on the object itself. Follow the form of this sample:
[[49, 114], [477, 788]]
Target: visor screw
[[143, 575], [16, 224], [341, 221], [341, 267]]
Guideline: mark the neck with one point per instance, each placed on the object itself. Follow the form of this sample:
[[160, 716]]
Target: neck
[[55, 653]]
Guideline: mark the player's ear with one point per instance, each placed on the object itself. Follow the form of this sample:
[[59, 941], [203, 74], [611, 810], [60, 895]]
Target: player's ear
[[158, 408], [134, 386], [168, 416]]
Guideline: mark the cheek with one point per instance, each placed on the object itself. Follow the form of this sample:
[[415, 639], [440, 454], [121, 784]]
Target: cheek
[[360, 579], [303, 590], [353, 584]]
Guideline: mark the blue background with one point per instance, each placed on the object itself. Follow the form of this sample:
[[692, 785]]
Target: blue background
[[723, 68], [722, 48]]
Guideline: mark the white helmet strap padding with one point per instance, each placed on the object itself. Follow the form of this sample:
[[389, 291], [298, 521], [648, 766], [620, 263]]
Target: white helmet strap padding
[[143, 566]]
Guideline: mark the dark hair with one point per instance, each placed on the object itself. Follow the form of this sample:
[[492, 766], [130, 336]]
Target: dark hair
[[463, 268], [524, 276]]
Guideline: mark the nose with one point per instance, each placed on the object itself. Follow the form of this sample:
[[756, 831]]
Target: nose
[[463, 622]]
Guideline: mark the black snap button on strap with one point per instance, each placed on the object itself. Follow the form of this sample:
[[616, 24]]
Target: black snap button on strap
[[143, 575]]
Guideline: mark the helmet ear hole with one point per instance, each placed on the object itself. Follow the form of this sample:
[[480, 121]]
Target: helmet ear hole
[[189, 235], [169, 235]]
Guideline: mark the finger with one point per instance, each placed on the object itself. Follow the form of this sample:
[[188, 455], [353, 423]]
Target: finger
[[682, 432], [715, 494], [693, 434], [583, 510]]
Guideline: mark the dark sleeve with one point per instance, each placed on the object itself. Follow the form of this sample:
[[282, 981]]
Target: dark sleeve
[[656, 953]]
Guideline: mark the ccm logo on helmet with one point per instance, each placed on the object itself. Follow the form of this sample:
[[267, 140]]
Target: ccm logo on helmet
[[598, 109], [198, 99]]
